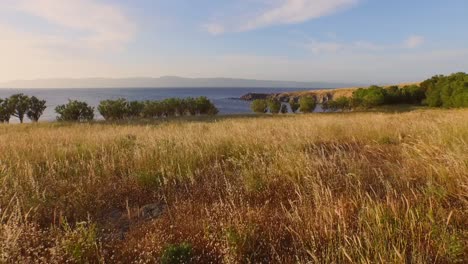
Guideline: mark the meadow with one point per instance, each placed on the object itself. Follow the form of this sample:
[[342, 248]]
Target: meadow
[[309, 188]]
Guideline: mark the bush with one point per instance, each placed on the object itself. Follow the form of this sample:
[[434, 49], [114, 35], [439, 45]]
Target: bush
[[36, 108], [307, 104], [205, 106], [259, 106], [177, 254], [75, 111], [153, 109], [274, 106]]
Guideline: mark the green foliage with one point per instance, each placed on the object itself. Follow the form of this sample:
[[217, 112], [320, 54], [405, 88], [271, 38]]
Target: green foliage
[[294, 105], [36, 108], [341, 103], [307, 104], [205, 107], [75, 111], [274, 106], [20, 105], [80, 243], [6, 110], [153, 109], [177, 254], [113, 109], [259, 106], [447, 91], [135, 109]]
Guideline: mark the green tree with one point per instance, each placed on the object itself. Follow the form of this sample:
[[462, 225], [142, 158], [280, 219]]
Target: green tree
[[134, 109], [153, 109], [205, 106], [20, 104], [307, 104], [6, 110], [113, 109], [294, 105], [75, 111], [259, 106], [36, 109], [274, 106]]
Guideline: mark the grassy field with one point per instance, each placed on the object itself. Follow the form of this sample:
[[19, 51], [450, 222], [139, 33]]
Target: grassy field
[[319, 188]]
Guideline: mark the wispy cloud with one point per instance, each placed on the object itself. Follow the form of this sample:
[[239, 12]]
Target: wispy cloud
[[414, 41], [95, 24], [283, 12]]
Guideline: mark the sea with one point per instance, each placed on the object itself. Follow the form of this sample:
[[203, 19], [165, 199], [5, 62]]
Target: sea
[[225, 99]]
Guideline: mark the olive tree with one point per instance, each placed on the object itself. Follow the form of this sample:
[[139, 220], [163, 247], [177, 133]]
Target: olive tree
[[75, 111], [36, 108], [259, 106], [307, 104], [6, 110], [274, 106], [20, 105]]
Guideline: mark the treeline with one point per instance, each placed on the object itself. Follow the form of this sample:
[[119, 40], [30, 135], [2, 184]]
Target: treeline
[[304, 104], [21, 105], [439, 91]]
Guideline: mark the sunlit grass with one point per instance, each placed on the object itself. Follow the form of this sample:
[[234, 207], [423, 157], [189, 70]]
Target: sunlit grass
[[330, 188]]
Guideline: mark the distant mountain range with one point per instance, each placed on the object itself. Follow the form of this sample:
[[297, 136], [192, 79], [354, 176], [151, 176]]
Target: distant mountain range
[[165, 82]]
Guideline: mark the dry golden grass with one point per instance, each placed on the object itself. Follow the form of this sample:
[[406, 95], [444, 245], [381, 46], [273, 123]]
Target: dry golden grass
[[328, 188]]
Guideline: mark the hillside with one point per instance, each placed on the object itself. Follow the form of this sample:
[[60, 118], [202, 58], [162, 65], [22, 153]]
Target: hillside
[[326, 188]]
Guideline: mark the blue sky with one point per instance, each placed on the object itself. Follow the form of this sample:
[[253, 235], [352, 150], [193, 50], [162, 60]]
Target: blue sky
[[363, 41]]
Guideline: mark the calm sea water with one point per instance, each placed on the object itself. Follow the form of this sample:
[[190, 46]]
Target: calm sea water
[[221, 97]]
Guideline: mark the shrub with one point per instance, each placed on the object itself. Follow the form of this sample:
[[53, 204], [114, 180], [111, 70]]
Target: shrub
[[36, 108], [447, 91], [75, 111], [274, 106], [307, 104], [259, 106], [177, 254]]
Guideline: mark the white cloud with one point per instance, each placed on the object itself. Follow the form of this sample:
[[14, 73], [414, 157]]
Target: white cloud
[[414, 41], [285, 12], [95, 24]]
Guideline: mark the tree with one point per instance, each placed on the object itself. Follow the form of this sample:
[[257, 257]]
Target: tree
[[20, 105], [274, 106], [134, 109], [341, 103], [6, 110], [75, 111], [259, 106], [113, 109], [307, 104], [294, 105], [36, 108], [153, 109], [205, 106]]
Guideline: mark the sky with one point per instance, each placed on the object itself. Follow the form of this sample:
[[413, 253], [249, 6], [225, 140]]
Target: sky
[[360, 41]]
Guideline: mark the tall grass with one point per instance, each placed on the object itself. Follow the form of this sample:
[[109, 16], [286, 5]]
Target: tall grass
[[331, 188]]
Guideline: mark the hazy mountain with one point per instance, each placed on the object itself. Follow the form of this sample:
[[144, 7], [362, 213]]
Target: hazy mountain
[[164, 82]]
